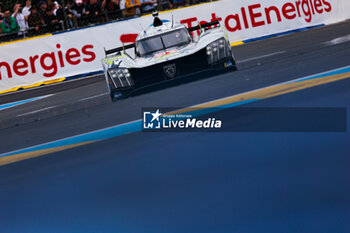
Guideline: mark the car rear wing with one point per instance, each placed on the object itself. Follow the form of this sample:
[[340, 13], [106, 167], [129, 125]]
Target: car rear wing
[[119, 49], [204, 26]]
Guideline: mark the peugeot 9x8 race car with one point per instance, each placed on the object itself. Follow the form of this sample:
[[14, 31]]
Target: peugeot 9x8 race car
[[167, 51]]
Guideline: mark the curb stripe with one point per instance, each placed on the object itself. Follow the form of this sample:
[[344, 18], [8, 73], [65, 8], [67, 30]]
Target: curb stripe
[[98, 135], [30, 155], [237, 43], [34, 85]]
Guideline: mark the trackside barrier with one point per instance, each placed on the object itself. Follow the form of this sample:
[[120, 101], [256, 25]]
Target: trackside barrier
[[53, 57]]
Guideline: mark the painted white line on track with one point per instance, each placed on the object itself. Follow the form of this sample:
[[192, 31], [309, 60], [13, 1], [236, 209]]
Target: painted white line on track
[[93, 97], [339, 40], [36, 111], [259, 57]]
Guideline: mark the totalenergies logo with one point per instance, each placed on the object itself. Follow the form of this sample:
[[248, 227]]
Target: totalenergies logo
[[49, 62], [256, 15]]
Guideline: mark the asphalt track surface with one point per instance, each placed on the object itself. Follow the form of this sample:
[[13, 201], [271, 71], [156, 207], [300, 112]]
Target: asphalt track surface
[[156, 182]]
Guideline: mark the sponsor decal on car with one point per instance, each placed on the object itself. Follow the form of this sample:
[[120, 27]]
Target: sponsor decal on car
[[163, 55], [170, 71]]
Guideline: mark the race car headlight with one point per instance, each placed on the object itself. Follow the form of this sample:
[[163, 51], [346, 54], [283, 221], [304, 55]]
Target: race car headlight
[[209, 50], [112, 73], [217, 51], [215, 46], [221, 44], [121, 77]]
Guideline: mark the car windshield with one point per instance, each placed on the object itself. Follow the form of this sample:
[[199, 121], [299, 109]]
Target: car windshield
[[161, 42]]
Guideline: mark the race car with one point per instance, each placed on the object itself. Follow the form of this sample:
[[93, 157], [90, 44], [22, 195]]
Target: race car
[[166, 51]]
